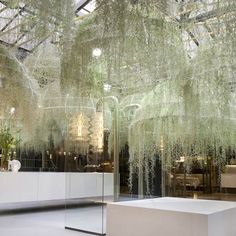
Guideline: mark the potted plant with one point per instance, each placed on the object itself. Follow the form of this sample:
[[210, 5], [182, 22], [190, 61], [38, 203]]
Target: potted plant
[[7, 143]]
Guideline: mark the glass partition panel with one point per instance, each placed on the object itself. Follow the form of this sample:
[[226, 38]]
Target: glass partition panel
[[85, 187], [84, 202]]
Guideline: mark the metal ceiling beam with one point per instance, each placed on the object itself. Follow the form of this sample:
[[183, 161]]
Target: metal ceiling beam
[[10, 45], [192, 37], [33, 38], [197, 19], [3, 9], [211, 33], [21, 53], [19, 38], [41, 41], [86, 10], [201, 18], [9, 30], [5, 3], [12, 19], [81, 5], [24, 34]]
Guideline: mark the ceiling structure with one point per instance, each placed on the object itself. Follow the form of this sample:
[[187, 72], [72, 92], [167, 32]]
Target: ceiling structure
[[198, 19], [12, 17], [198, 14]]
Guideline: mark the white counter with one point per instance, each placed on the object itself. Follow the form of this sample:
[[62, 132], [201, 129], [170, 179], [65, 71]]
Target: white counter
[[171, 216], [40, 186]]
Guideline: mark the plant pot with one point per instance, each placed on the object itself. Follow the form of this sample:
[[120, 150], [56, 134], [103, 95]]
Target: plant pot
[[4, 159], [4, 164]]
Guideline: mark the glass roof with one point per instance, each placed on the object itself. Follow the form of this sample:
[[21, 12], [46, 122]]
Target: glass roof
[[197, 17], [11, 18]]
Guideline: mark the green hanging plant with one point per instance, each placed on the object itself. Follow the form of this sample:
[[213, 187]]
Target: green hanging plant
[[7, 143]]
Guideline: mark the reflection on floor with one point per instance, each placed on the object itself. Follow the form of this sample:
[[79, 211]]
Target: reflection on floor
[[36, 224], [90, 219]]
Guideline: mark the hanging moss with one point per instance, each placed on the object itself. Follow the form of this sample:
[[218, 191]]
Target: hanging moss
[[195, 113], [170, 57], [17, 96], [136, 49]]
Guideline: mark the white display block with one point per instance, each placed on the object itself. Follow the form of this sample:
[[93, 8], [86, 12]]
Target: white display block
[[45, 186], [171, 216]]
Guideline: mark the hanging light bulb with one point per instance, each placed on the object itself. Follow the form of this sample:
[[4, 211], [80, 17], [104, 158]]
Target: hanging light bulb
[[97, 52], [107, 87], [12, 110]]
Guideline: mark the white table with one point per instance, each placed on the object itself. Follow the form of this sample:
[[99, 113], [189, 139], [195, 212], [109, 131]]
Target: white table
[[171, 217]]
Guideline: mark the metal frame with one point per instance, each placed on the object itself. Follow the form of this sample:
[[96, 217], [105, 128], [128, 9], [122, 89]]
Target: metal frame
[[201, 18], [5, 29], [84, 231]]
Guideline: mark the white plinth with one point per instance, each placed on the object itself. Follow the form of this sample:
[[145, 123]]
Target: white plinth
[[171, 217]]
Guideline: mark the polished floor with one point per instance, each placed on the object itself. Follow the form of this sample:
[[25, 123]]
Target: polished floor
[[36, 224], [52, 223], [91, 219]]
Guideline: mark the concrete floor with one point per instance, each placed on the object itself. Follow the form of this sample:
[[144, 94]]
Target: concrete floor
[[36, 224]]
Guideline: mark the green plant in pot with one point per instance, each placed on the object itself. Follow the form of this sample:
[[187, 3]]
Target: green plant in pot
[[7, 143]]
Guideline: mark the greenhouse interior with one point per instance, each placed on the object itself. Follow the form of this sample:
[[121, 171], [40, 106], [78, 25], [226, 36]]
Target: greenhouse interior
[[118, 117]]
